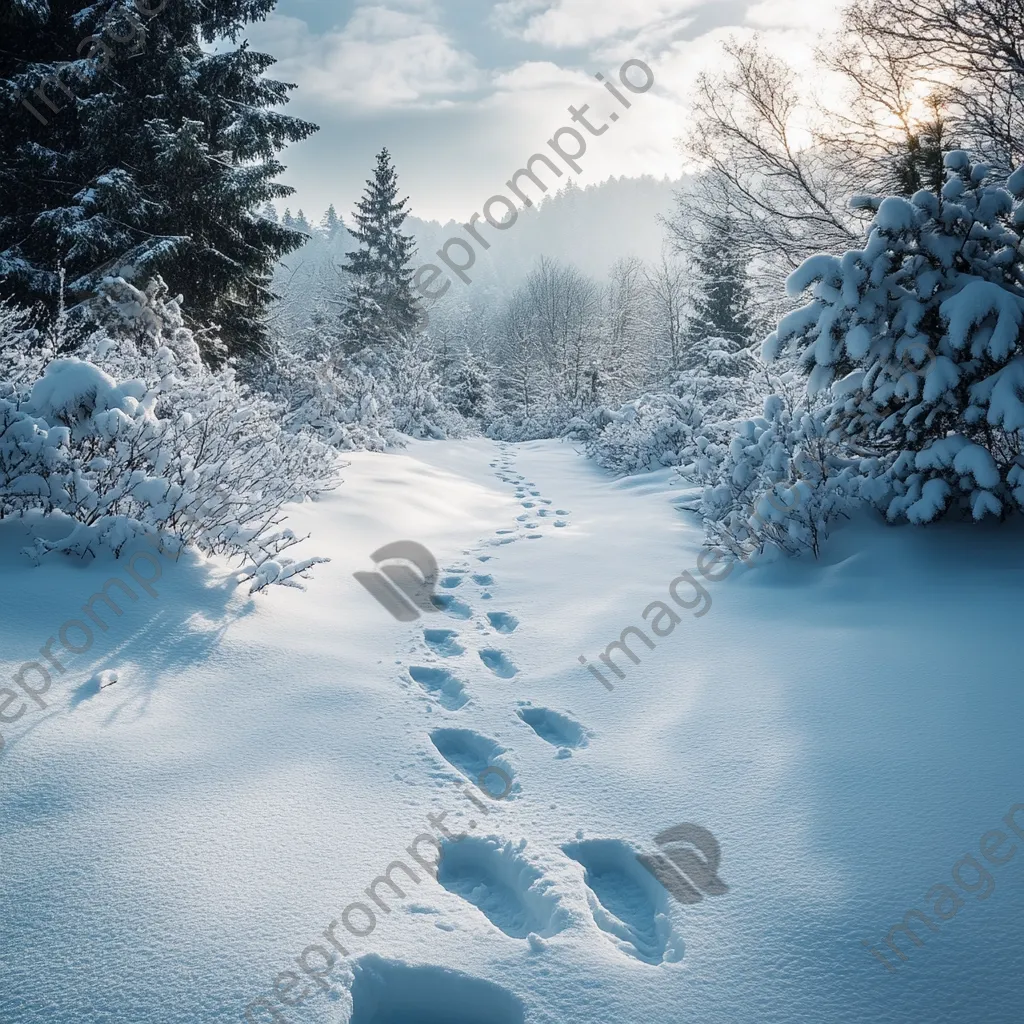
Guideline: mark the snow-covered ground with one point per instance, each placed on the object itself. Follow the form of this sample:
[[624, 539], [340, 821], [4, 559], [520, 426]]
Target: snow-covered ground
[[848, 730]]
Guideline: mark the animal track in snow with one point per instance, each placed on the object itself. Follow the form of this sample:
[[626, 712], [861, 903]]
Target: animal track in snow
[[505, 887], [450, 582], [554, 727], [443, 642], [560, 523], [483, 581], [451, 605], [628, 903], [498, 663], [560, 512], [529, 504], [449, 691], [472, 754], [392, 992], [503, 622]]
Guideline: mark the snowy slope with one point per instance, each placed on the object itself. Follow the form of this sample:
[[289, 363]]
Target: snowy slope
[[847, 730]]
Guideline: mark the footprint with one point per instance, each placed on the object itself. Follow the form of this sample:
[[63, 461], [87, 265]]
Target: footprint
[[498, 663], [534, 536], [529, 504], [473, 754], [560, 523], [555, 728], [449, 691], [536, 494], [503, 622], [483, 558], [545, 501], [560, 512], [628, 903], [483, 581], [450, 582], [452, 606], [523, 517], [502, 884], [393, 992], [502, 532], [443, 642]]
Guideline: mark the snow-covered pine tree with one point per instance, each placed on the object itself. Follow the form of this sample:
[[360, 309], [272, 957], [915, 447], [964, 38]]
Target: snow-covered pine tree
[[919, 337], [381, 305], [723, 306], [469, 387], [130, 148], [331, 224]]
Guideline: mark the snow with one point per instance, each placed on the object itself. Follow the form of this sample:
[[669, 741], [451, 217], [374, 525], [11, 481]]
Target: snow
[[846, 729]]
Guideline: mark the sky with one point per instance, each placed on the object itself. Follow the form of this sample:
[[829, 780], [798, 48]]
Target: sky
[[462, 92]]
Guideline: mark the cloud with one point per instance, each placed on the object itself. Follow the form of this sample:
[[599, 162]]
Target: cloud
[[386, 57], [576, 23]]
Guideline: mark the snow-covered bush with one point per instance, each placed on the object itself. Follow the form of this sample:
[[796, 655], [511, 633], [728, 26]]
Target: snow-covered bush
[[675, 427], [133, 436], [916, 340], [779, 480], [650, 433]]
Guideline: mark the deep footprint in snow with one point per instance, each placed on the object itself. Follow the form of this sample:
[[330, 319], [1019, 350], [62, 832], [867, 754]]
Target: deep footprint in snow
[[392, 992], [451, 605], [498, 663], [473, 754], [529, 504], [628, 903], [443, 642], [554, 727], [450, 582], [440, 683], [483, 581], [502, 884], [503, 622]]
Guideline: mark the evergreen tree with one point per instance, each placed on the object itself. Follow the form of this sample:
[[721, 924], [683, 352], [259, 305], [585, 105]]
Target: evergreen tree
[[269, 212], [331, 224], [287, 219], [129, 148], [916, 338], [921, 163], [723, 308], [381, 304], [301, 224]]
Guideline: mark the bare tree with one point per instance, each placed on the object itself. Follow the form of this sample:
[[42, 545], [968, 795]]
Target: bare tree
[[971, 49], [566, 308], [768, 168], [670, 291]]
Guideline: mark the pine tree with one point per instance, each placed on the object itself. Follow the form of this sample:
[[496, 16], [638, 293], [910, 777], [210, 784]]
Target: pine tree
[[921, 163], [269, 212], [381, 304], [331, 224], [723, 308], [129, 148]]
